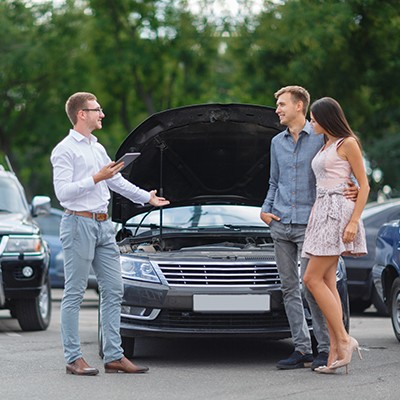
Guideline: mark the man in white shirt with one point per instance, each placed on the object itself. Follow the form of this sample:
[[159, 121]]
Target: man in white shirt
[[83, 173]]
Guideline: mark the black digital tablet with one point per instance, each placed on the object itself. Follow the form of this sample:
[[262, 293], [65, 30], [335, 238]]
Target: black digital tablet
[[127, 158]]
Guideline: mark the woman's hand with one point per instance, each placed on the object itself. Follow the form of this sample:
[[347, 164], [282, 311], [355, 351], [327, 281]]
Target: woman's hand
[[350, 232]]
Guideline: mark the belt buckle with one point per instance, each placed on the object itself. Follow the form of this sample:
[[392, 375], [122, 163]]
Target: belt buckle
[[101, 217]]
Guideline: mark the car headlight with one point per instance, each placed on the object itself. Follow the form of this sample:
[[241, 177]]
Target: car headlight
[[138, 269], [23, 244]]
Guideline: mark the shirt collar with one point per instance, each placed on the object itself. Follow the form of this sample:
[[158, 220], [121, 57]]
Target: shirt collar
[[79, 137], [306, 129]]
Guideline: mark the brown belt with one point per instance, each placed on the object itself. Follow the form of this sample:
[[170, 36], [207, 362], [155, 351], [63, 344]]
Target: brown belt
[[87, 214]]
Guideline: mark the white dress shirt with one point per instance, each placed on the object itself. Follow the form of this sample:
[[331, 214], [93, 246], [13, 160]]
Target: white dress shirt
[[75, 160]]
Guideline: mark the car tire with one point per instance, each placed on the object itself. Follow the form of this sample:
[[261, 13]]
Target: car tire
[[128, 345], [378, 303], [395, 307], [34, 314]]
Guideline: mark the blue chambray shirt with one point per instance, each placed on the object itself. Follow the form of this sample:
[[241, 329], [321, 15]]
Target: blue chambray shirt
[[291, 192]]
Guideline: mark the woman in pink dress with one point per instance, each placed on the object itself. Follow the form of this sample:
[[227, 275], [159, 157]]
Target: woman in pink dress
[[334, 227]]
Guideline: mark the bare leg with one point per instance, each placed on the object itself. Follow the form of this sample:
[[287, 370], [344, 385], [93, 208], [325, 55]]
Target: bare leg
[[332, 346], [330, 281], [333, 353], [320, 279]]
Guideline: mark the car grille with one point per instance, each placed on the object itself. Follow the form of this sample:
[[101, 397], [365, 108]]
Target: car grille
[[247, 274], [172, 319]]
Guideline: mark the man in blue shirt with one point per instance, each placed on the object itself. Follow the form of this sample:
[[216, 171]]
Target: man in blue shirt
[[286, 210]]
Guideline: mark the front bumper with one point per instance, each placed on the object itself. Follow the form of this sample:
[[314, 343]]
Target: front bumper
[[161, 311], [18, 286]]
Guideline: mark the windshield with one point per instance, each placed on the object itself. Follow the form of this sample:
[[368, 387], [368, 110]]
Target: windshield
[[201, 216], [11, 199]]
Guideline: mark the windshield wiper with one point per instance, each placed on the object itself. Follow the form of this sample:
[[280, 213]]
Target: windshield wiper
[[233, 227], [244, 227], [152, 226]]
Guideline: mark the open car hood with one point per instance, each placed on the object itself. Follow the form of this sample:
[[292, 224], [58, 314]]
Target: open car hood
[[200, 154]]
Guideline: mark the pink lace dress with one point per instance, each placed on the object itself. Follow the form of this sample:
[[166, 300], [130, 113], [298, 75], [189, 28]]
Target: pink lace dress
[[331, 211]]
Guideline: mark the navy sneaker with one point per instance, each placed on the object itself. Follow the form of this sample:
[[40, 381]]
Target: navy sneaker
[[320, 360], [296, 360]]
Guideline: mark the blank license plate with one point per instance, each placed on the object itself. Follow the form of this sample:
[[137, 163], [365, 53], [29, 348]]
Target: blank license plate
[[232, 303]]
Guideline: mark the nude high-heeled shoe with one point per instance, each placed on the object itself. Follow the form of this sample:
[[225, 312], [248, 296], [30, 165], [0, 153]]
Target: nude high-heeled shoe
[[325, 370], [344, 362]]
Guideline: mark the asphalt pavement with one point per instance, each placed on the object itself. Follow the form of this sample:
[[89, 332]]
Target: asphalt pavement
[[32, 366]]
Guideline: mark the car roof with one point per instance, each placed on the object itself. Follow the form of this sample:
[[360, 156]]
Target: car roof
[[374, 208]]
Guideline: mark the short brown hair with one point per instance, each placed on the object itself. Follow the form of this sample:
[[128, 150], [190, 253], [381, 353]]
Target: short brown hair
[[298, 93], [77, 102]]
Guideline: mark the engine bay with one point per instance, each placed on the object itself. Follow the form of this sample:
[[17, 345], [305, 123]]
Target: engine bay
[[195, 242]]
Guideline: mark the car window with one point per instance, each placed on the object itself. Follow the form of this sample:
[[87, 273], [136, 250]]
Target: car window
[[202, 216], [11, 199]]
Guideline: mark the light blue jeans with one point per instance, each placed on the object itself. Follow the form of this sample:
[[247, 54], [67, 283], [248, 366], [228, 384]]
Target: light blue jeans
[[87, 242], [288, 240]]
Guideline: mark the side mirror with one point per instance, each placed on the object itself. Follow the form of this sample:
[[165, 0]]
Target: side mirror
[[41, 205]]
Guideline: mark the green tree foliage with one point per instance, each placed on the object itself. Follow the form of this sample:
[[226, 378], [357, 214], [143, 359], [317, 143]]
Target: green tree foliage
[[150, 56], [346, 49], [140, 57], [41, 63]]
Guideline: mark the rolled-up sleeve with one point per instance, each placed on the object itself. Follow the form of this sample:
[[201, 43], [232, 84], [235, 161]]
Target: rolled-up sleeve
[[122, 186]]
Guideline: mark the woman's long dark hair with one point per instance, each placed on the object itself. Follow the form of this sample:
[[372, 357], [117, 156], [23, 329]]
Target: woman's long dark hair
[[329, 114]]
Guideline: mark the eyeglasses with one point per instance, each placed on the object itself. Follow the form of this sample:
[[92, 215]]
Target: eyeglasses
[[99, 110]]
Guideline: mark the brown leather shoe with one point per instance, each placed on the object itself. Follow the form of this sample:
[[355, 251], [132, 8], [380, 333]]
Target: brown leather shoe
[[124, 365], [81, 367]]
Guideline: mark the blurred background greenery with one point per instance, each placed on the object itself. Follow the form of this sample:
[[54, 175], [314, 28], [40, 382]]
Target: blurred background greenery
[[143, 56]]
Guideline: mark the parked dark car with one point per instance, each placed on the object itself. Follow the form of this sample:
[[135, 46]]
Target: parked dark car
[[24, 256], [386, 271], [362, 291], [204, 265], [50, 227]]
